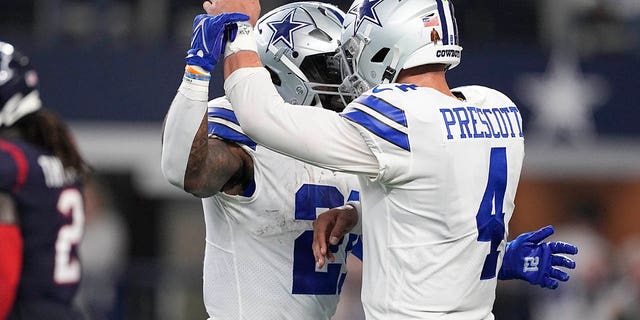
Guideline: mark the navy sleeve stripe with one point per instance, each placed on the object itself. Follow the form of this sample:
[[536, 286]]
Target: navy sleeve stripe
[[227, 133], [224, 114], [384, 108], [379, 128]]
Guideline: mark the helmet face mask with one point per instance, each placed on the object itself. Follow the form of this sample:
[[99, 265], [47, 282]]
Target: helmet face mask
[[322, 72], [18, 86], [297, 43], [352, 83], [382, 37]]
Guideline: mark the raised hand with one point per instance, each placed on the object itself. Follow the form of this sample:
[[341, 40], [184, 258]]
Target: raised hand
[[207, 39], [328, 228], [528, 259], [249, 7]]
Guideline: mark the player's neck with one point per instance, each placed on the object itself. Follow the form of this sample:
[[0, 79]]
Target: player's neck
[[431, 76]]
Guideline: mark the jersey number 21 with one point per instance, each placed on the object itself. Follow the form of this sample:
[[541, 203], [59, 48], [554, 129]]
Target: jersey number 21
[[305, 278]]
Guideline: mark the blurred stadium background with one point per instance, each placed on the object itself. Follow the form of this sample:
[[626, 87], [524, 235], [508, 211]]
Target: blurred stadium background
[[111, 68]]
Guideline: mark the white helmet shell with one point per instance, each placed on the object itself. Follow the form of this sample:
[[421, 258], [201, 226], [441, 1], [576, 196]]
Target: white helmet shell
[[297, 43], [382, 37]]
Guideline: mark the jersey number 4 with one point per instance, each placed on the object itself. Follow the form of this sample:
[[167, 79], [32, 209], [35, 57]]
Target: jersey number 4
[[306, 280], [490, 217]]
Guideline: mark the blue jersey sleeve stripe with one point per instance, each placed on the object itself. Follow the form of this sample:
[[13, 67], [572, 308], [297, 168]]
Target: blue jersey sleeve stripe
[[443, 23], [384, 108], [224, 114], [379, 128], [226, 133]]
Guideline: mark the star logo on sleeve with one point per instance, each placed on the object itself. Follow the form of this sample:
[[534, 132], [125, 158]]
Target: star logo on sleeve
[[283, 30], [367, 11]]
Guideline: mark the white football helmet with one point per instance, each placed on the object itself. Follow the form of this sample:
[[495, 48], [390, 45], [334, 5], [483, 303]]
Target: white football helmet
[[382, 37], [297, 43]]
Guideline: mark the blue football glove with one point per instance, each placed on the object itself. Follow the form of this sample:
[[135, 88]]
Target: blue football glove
[[527, 259], [208, 38]]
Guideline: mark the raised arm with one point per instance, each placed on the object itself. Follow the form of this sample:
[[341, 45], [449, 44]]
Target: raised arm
[[190, 159], [210, 163], [315, 135]]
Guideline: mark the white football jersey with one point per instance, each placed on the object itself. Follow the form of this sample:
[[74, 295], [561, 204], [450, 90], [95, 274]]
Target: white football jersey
[[258, 260], [435, 218], [438, 178]]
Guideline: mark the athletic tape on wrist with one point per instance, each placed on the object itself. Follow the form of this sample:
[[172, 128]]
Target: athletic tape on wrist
[[195, 83], [196, 73], [245, 40]]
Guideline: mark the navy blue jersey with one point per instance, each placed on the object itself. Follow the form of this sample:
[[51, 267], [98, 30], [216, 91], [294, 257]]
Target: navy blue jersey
[[50, 210]]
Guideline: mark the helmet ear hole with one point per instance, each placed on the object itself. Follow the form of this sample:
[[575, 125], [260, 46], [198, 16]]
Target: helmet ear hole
[[320, 35], [380, 55]]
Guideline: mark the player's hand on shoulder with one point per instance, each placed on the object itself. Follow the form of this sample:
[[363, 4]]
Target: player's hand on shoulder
[[328, 228], [528, 258]]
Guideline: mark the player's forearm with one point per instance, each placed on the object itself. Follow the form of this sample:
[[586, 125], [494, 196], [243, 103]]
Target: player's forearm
[[315, 135], [244, 59], [242, 52], [184, 128]]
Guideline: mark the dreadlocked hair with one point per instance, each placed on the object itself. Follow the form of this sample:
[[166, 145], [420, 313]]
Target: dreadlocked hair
[[47, 130]]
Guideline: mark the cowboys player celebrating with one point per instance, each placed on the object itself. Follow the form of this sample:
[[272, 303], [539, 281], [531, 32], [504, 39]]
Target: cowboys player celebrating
[[438, 167], [248, 188]]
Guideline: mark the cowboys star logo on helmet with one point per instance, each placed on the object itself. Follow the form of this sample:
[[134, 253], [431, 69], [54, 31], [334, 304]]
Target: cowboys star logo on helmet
[[283, 30], [367, 11]]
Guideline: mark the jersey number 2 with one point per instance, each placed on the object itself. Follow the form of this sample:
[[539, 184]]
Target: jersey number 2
[[490, 217], [67, 266]]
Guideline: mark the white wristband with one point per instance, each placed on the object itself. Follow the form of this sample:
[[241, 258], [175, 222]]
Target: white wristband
[[245, 40], [195, 83]]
